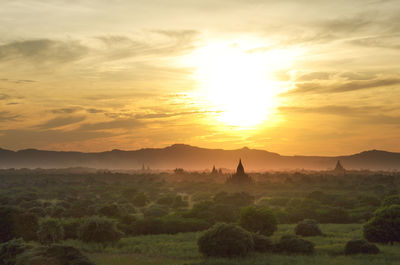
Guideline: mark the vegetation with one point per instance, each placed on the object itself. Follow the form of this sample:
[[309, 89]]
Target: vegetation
[[225, 240], [158, 218], [384, 227], [258, 220], [360, 246], [308, 227]]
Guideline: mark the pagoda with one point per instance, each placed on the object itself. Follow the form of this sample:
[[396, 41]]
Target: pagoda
[[339, 169], [240, 177]]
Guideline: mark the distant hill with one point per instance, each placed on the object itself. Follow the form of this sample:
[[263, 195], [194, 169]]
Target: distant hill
[[193, 158]]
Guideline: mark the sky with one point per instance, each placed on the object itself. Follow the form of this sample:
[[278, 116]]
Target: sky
[[309, 77]]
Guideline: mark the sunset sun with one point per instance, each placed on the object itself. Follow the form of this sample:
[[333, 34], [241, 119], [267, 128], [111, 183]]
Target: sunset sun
[[238, 81]]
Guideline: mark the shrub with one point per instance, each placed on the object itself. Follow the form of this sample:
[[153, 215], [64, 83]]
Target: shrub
[[110, 210], [10, 250], [358, 246], [179, 202], [258, 220], [308, 227], [71, 228], [262, 243], [391, 200], [384, 227], [54, 255], [148, 227], [155, 211], [8, 218], [225, 240], [126, 224], [294, 244], [140, 199], [99, 230], [236, 199], [50, 231]]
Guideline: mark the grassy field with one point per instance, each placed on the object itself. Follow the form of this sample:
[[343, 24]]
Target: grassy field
[[181, 249]]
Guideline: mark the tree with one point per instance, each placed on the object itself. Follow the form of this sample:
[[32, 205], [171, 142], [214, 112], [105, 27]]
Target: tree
[[225, 240], [258, 220], [390, 200], [50, 231], [384, 227], [99, 229], [357, 246], [308, 227], [140, 199]]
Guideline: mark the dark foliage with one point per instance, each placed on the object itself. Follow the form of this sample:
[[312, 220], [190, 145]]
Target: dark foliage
[[71, 227], [239, 199], [391, 200], [258, 220], [99, 230], [225, 240], [384, 227], [358, 246], [294, 244], [54, 255], [308, 227], [50, 231], [262, 243], [10, 250], [110, 210]]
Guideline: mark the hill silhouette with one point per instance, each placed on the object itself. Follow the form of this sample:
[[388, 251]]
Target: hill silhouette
[[193, 158]]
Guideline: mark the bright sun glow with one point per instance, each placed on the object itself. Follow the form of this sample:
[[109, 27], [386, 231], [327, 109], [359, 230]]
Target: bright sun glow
[[238, 81]]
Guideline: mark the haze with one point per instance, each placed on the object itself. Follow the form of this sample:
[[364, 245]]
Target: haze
[[292, 77]]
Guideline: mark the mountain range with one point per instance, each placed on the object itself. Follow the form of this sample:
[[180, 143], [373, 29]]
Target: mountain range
[[194, 158]]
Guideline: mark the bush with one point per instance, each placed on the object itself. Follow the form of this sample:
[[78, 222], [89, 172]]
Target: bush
[[155, 211], [258, 220], [99, 230], [391, 200], [358, 246], [126, 224], [262, 243], [110, 210], [384, 227], [225, 240], [10, 250], [50, 231], [54, 255], [8, 219], [71, 228], [148, 227], [236, 199], [294, 244], [140, 199], [308, 227]]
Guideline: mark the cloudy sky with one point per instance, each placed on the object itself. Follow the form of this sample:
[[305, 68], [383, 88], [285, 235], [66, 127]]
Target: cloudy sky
[[310, 77]]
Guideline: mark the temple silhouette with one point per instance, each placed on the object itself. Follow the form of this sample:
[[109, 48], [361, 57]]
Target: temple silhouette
[[240, 177], [339, 169]]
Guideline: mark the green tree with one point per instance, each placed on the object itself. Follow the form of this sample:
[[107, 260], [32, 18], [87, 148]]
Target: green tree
[[258, 220], [50, 231], [384, 227], [225, 240], [99, 229]]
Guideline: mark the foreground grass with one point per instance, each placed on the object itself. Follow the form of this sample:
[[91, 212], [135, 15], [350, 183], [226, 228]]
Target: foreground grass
[[182, 249]]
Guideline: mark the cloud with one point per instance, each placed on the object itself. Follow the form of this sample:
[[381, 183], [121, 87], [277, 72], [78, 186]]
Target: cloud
[[61, 121], [113, 124], [65, 110], [42, 50], [7, 116], [320, 87], [314, 76]]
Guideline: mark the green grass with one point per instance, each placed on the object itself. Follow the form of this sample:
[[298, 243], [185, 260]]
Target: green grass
[[181, 249]]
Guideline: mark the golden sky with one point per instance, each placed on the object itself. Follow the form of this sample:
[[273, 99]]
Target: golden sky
[[309, 77]]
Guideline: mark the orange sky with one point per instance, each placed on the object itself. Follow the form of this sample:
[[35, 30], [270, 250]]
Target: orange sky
[[293, 77]]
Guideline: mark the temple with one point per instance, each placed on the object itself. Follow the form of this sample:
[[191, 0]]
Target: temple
[[240, 177], [339, 169]]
